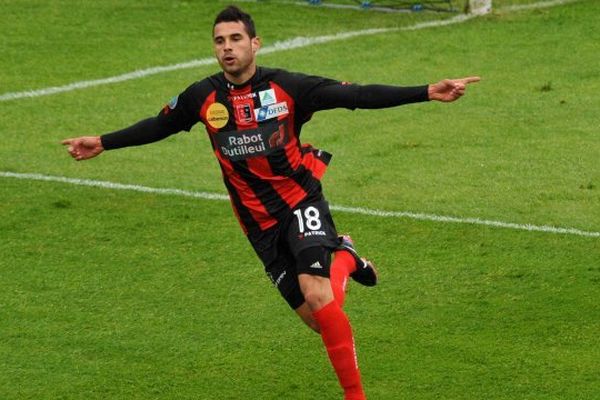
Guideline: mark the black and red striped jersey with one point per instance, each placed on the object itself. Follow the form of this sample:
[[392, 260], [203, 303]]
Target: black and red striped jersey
[[255, 128]]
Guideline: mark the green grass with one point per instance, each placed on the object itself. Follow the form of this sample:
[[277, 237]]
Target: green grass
[[122, 295]]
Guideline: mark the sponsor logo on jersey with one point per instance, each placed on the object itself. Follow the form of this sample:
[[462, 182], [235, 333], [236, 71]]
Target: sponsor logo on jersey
[[278, 138], [314, 233], [267, 97], [170, 105], [316, 265], [239, 97], [248, 143], [271, 111], [279, 278], [244, 114], [173, 102], [217, 115]]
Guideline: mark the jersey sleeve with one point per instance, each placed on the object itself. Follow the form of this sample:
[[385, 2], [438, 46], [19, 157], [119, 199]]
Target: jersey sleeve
[[317, 93], [180, 114]]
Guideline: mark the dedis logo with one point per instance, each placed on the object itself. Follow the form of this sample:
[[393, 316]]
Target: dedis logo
[[272, 111]]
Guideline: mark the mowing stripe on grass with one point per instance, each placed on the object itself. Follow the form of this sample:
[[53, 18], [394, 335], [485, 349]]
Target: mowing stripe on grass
[[289, 44], [351, 210]]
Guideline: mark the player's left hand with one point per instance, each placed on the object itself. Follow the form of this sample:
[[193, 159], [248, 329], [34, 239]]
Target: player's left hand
[[450, 89]]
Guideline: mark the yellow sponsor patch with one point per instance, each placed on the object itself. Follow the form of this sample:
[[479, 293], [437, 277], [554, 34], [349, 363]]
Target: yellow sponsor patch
[[217, 115]]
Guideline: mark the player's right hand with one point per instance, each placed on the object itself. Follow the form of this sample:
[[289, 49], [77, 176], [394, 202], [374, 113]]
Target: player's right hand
[[85, 147], [449, 90]]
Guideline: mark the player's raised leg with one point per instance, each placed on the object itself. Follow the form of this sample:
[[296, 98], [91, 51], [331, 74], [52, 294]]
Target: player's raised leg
[[347, 263]]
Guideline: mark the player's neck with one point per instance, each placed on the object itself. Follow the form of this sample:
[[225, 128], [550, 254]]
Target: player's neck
[[242, 77]]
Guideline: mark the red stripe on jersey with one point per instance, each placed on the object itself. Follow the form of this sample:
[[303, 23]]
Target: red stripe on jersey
[[290, 191], [241, 100], [256, 209], [263, 187], [292, 149], [313, 164], [210, 99], [249, 199], [287, 189]]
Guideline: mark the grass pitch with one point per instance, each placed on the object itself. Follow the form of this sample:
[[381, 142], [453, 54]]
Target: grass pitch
[[123, 295]]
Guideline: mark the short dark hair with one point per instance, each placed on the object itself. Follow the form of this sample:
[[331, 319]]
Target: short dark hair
[[234, 14]]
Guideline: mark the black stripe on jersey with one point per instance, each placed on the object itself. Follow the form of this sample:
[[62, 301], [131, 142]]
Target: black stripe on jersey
[[279, 163], [275, 205], [306, 180], [243, 212]]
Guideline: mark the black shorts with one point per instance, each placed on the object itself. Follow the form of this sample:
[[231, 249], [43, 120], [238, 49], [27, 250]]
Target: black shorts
[[309, 225]]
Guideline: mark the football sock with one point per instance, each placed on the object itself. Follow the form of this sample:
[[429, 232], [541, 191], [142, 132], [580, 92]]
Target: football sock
[[336, 333], [342, 266]]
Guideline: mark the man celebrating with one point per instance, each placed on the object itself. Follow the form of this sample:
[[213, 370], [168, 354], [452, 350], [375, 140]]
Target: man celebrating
[[253, 116]]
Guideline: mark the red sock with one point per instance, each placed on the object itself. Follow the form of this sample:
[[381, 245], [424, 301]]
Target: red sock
[[342, 266], [336, 333]]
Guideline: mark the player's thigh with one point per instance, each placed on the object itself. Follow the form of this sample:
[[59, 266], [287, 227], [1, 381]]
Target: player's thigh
[[279, 263], [311, 237], [282, 273]]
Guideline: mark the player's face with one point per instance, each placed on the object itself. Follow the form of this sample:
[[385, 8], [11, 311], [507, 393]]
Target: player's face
[[235, 50]]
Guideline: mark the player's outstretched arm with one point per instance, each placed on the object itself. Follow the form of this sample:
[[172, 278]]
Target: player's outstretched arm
[[450, 89], [146, 131], [325, 94], [84, 147]]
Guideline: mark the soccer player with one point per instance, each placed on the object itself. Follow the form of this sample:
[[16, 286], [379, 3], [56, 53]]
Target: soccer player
[[253, 116]]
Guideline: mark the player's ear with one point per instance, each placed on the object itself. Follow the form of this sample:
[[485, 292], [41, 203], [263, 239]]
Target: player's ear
[[255, 44]]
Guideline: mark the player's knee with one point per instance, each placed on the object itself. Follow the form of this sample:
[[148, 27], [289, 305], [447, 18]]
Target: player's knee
[[314, 299], [317, 291], [313, 266]]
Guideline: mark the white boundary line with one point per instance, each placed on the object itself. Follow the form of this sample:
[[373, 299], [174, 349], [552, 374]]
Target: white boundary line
[[276, 47], [350, 210], [289, 44], [532, 6], [294, 43]]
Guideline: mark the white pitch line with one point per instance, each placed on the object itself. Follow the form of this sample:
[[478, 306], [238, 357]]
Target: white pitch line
[[532, 6], [106, 81], [113, 185], [470, 221], [289, 44], [350, 210]]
